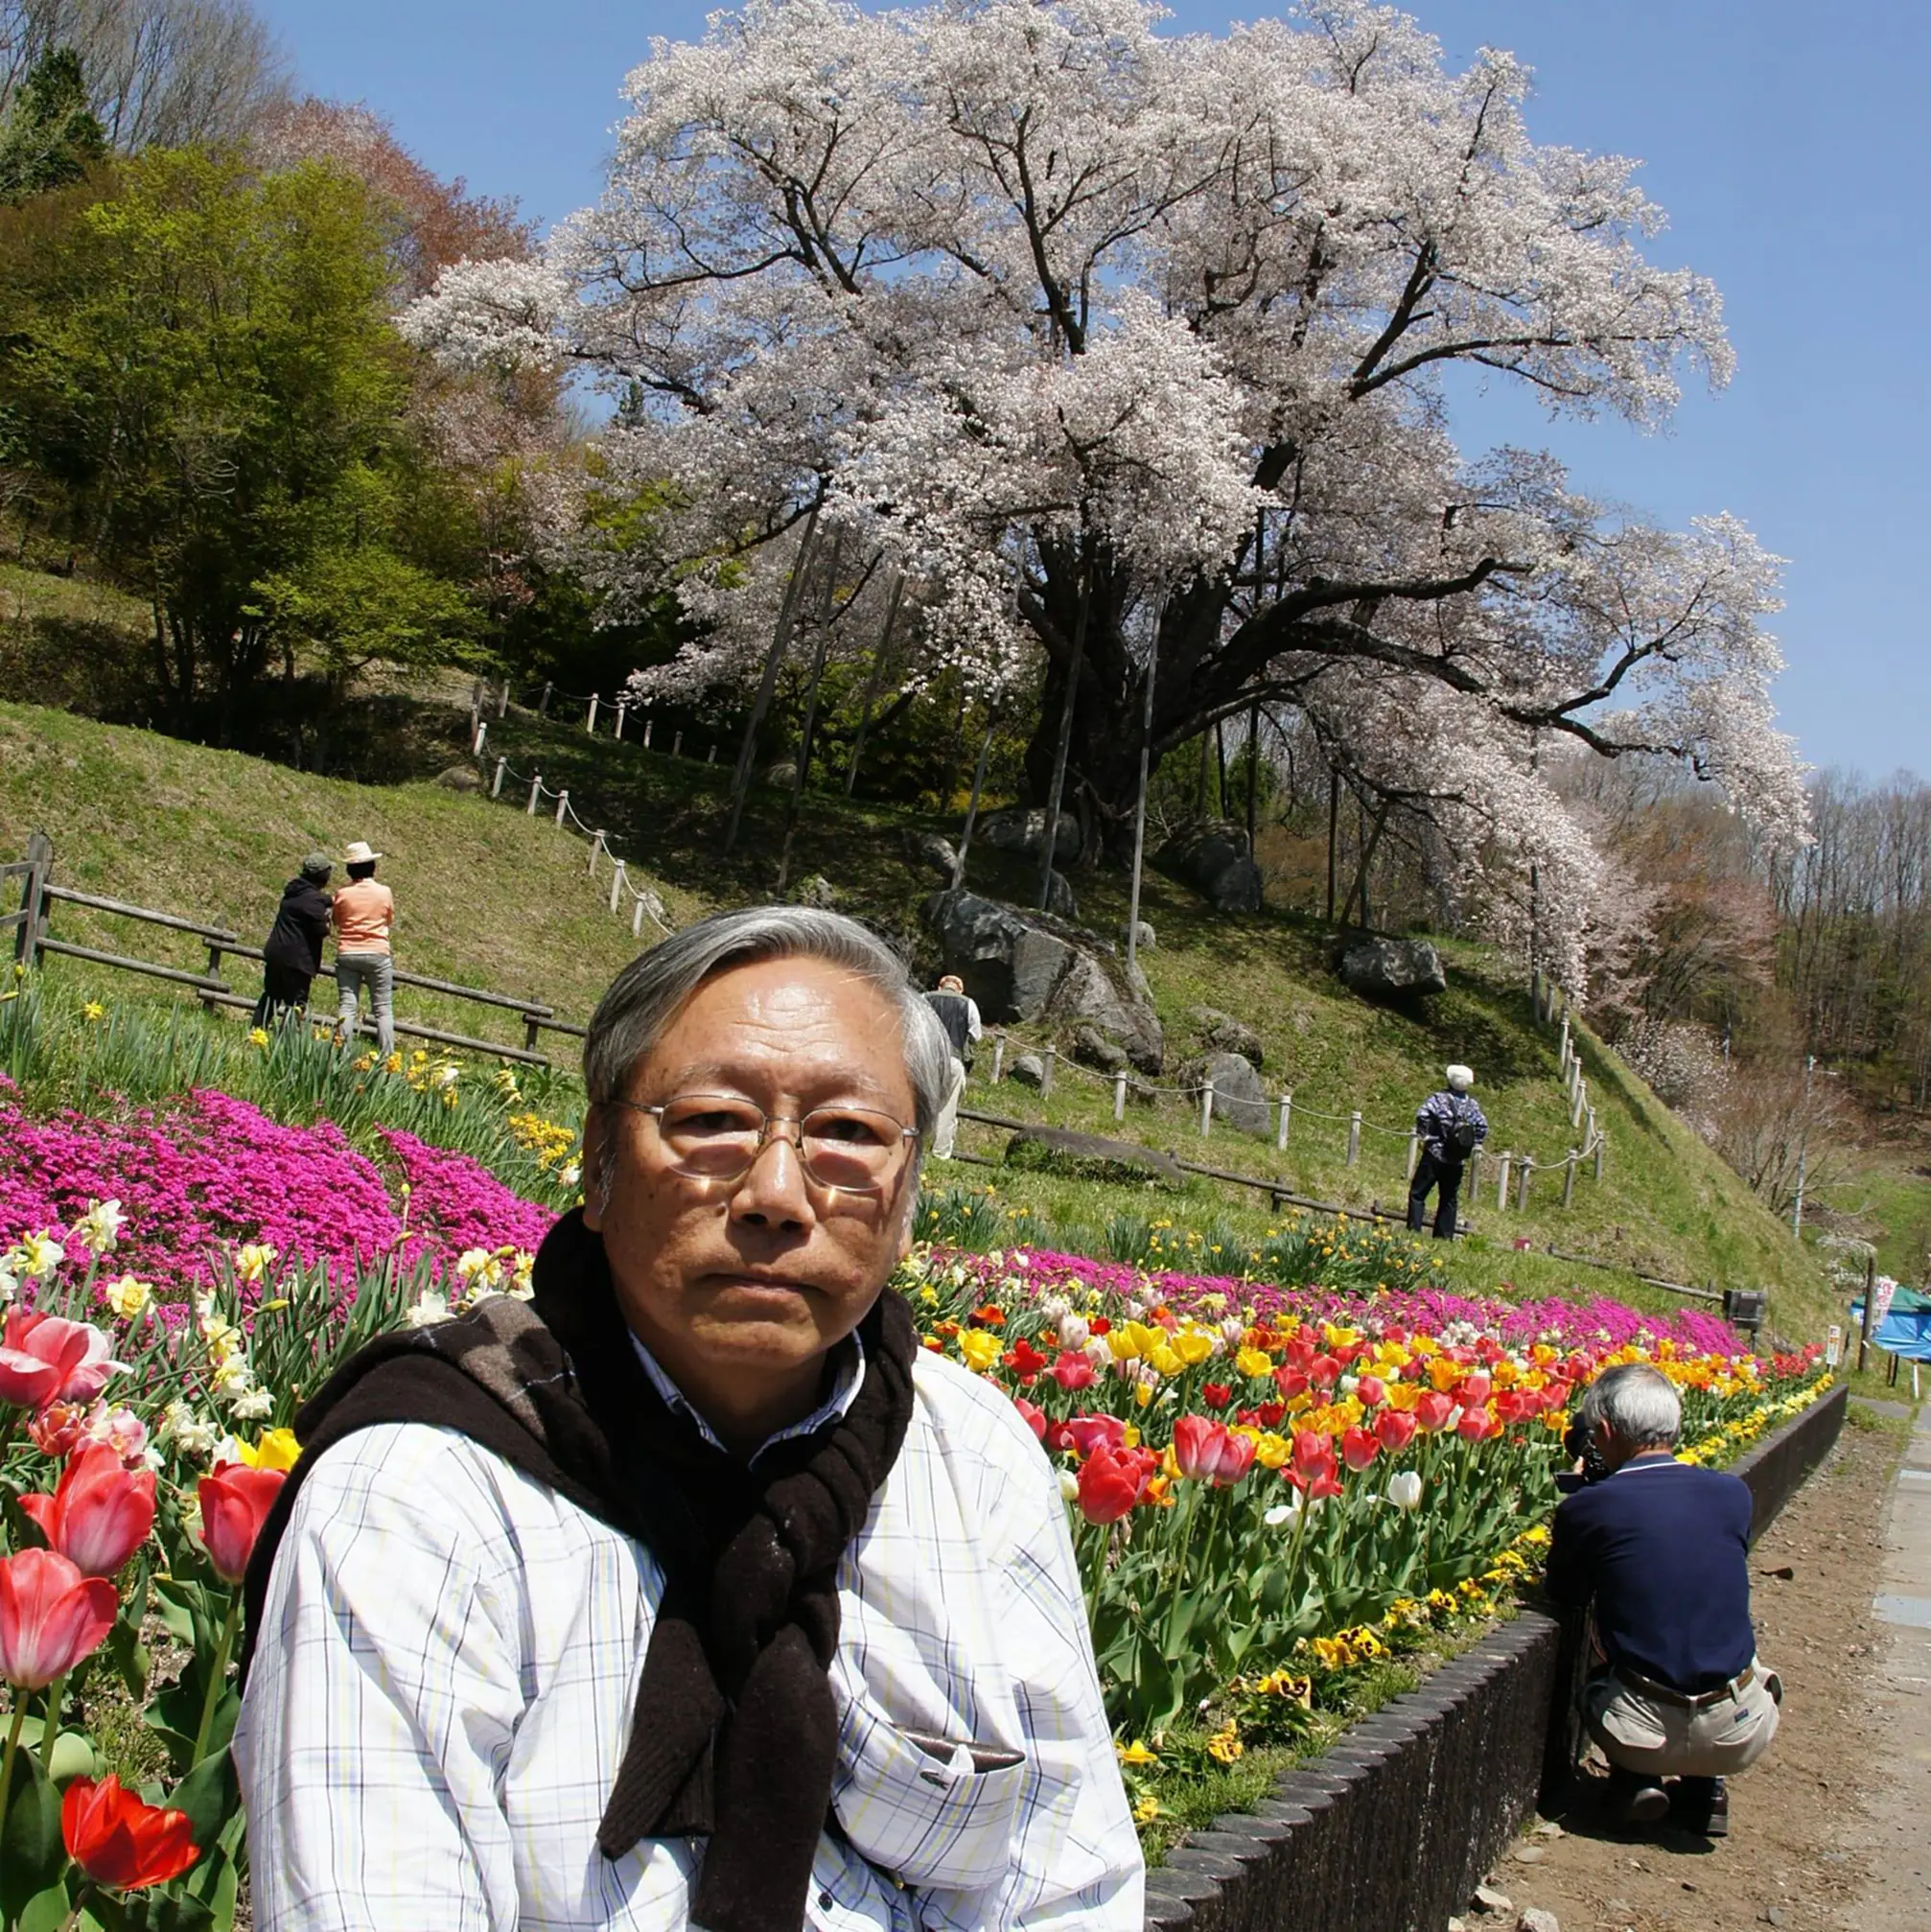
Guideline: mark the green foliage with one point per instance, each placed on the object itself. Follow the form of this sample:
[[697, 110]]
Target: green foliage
[[201, 378], [50, 136]]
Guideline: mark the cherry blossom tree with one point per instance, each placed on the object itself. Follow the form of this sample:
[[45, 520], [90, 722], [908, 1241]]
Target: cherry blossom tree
[[1077, 325]]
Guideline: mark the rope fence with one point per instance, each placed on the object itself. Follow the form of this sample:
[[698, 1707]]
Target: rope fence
[[622, 713]]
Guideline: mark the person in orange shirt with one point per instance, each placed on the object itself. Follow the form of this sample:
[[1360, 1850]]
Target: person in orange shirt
[[363, 915]]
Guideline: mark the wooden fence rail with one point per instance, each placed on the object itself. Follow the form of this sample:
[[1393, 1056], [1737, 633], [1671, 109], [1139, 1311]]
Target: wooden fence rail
[[33, 939]]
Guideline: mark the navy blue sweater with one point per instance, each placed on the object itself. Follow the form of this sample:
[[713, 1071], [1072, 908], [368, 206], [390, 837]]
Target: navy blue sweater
[[1662, 1546]]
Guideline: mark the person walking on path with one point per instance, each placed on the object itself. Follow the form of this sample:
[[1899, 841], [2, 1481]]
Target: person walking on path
[[364, 915], [1451, 1126], [959, 1014], [292, 955]]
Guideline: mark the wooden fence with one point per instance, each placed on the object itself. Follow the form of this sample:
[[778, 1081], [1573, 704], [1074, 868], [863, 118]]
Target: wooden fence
[[33, 940]]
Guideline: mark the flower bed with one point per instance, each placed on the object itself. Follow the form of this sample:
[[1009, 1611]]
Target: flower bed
[[1279, 1491]]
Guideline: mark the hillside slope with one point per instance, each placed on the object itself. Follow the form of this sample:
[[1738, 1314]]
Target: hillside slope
[[493, 897]]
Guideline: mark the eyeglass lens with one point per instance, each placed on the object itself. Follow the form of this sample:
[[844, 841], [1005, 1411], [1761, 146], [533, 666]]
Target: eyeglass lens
[[715, 1137]]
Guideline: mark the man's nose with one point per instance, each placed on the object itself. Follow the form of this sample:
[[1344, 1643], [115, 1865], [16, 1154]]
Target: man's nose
[[772, 1192]]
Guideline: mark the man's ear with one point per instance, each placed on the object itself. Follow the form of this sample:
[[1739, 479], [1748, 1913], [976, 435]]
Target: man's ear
[[593, 1156]]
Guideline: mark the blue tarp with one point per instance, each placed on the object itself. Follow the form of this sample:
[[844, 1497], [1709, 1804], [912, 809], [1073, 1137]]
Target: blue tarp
[[1904, 1330]]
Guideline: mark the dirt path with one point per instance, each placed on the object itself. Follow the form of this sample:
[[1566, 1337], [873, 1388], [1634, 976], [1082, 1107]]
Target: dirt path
[[1805, 1824]]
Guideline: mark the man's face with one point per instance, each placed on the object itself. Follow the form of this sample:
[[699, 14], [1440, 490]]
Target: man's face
[[756, 1278]]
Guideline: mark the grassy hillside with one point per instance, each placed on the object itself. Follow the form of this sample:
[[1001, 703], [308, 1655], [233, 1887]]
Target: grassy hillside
[[492, 897]]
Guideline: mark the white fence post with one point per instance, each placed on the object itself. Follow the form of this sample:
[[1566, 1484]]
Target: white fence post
[[1568, 1176], [998, 1058], [1119, 1096], [1600, 1144], [595, 847], [503, 700], [621, 707], [543, 703], [1355, 1138], [1287, 1116], [647, 723], [677, 746], [1521, 1185], [562, 804], [482, 731], [711, 757], [1051, 1060], [589, 723], [1474, 1172], [617, 885], [1206, 1109], [1501, 1186], [637, 919], [1579, 1105], [1414, 1153], [535, 793], [496, 784]]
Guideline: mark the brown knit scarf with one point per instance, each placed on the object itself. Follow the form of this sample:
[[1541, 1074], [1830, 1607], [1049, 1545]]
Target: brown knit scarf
[[736, 1732]]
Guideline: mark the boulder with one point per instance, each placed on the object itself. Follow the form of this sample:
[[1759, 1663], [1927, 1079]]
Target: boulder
[[1028, 1070], [1214, 860], [819, 892], [1225, 1033], [1238, 1097], [1390, 965], [1060, 900], [1029, 966], [1092, 1048], [1017, 830], [1090, 1156], [460, 779], [934, 853], [1142, 936]]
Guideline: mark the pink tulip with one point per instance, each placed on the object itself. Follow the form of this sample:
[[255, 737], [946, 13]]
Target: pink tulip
[[1394, 1430], [1197, 1440], [1432, 1409], [1073, 1370], [51, 1616], [235, 1501], [1476, 1424], [1036, 1418], [1359, 1449], [1235, 1457], [99, 1515], [1371, 1392], [45, 1357], [1084, 1433]]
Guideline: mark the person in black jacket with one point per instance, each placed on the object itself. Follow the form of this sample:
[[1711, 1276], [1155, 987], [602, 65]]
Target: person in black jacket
[[1451, 1127], [293, 956]]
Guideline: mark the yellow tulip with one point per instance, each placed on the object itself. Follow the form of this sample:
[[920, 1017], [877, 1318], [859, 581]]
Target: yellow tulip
[[979, 1349], [273, 1449], [1252, 1362]]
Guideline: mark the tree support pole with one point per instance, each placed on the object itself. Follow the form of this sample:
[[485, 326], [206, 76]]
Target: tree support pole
[[1049, 841], [803, 759], [1140, 797], [781, 639], [972, 803], [875, 683]]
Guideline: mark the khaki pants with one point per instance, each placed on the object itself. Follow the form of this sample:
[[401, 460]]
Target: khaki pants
[[1646, 1734], [946, 1131]]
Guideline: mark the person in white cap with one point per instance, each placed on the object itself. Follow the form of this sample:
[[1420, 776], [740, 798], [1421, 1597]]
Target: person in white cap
[[1451, 1126], [363, 915]]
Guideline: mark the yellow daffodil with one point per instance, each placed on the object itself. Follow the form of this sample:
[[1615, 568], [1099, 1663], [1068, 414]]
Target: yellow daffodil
[[979, 1349], [273, 1449], [1135, 1753], [93, 1013], [127, 1297]]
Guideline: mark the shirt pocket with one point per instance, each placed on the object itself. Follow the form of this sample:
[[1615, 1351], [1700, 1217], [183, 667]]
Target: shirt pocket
[[924, 1821]]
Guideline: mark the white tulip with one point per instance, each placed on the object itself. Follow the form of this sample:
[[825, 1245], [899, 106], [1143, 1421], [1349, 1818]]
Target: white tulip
[[1405, 1489]]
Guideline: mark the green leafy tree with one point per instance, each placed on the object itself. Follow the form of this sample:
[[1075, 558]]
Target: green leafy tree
[[200, 368], [50, 136]]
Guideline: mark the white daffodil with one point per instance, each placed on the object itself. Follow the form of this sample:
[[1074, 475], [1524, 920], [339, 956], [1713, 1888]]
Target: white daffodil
[[38, 1256], [522, 1274], [477, 1267], [253, 1405], [99, 1227], [253, 1260], [431, 1308]]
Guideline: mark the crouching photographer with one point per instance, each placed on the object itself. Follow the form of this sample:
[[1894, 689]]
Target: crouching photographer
[[1661, 1549]]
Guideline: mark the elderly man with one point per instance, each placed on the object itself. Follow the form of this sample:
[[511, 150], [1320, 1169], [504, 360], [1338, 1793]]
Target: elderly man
[[1660, 1547], [695, 1592], [958, 1014], [1449, 1125]]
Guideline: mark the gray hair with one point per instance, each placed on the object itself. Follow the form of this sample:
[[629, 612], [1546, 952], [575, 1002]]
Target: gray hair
[[652, 989], [1639, 1404]]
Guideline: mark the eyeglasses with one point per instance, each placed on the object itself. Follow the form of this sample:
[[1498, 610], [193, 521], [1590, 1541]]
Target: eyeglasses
[[715, 1136]]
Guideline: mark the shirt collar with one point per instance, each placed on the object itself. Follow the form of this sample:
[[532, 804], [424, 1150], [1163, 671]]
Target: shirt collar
[[846, 1384], [1651, 1459]]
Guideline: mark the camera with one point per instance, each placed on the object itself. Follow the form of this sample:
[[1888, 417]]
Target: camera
[[1579, 1445]]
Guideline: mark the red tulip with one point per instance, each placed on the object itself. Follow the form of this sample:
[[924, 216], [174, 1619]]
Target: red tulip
[[1197, 1446], [1290, 1381], [1024, 1360], [99, 1515], [1476, 1424], [1432, 1409], [234, 1502], [51, 1616], [1371, 1392], [1036, 1418], [1073, 1370], [1216, 1394], [1324, 1371], [120, 1841], [1515, 1404], [1269, 1413], [56, 1429], [1088, 1433], [1555, 1395], [1112, 1482], [1359, 1449], [1313, 1467], [1474, 1390], [1394, 1430]]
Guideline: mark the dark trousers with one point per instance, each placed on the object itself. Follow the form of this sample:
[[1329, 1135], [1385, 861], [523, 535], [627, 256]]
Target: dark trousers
[[1431, 1172], [285, 991]]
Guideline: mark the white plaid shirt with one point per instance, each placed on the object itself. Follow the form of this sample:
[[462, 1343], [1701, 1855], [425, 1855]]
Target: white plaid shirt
[[442, 1689]]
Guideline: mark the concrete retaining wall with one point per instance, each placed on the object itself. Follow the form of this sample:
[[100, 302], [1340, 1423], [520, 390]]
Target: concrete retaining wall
[[1392, 1828]]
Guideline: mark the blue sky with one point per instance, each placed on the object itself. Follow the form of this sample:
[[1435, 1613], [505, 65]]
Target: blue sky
[[1789, 149]]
